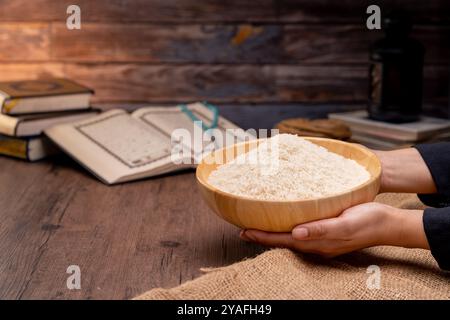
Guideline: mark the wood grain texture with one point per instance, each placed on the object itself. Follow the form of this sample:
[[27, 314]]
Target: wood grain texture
[[222, 83], [242, 83], [24, 41], [125, 82], [30, 215], [283, 216], [175, 11], [289, 51], [234, 44], [349, 44], [21, 71], [216, 83], [160, 43], [126, 239]]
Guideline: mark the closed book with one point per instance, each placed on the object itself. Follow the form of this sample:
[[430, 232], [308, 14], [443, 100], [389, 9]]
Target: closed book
[[31, 149], [424, 129], [35, 124], [378, 143], [41, 96]]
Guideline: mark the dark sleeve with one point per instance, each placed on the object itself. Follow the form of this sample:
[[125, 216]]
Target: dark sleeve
[[437, 159], [436, 222]]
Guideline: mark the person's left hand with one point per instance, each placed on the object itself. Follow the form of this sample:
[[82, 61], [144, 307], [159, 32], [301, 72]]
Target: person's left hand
[[362, 226]]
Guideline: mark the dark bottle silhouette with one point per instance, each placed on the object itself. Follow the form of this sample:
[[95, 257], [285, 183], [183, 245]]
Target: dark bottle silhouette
[[396, 73]]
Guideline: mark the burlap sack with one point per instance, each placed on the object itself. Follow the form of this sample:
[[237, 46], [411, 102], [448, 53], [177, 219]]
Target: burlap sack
[[283, 274]]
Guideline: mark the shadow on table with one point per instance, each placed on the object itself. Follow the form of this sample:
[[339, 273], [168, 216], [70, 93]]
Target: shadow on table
[[225, 248], [66, 162]]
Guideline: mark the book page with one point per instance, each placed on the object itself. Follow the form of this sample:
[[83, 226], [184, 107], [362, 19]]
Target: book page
[[115, 146], [168, 119], [128, 140]]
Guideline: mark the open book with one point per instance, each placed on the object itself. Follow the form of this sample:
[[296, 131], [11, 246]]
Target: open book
[[118, 146]]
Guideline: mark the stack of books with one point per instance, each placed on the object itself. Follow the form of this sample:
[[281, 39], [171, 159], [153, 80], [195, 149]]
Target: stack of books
[[27, 108], [388, 136], [39, 118]]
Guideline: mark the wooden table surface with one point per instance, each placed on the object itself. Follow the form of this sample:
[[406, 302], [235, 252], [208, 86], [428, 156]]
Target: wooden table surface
[[126, 239]]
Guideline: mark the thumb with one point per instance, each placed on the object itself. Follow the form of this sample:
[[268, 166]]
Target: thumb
[[322, 229]]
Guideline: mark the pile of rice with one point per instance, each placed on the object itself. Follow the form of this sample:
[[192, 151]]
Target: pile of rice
[[288, 167]]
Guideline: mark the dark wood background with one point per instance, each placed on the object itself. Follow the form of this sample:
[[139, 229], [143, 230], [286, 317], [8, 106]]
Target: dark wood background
[[259, 60], [290, 55]]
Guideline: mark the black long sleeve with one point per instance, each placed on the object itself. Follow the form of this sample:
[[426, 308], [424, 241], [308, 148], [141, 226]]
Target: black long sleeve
[[437, 221]]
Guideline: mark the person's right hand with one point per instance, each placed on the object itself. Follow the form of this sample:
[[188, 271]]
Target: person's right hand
[[361, 226]]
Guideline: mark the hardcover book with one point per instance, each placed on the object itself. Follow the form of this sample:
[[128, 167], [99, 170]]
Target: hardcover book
[[31, 149], [424, 129], [34, 124], [40, 96]]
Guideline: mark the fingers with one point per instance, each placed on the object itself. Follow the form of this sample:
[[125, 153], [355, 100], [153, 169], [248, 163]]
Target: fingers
[[356, 228], [268, 238], [326, 248], [317, 230], [333, 228]]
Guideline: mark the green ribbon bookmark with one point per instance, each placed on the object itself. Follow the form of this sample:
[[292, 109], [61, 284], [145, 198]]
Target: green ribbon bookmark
[[194, 118]]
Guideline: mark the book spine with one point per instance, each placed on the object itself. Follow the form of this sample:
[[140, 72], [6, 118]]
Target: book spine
[[3, 98], [8, 105], [14, 148]]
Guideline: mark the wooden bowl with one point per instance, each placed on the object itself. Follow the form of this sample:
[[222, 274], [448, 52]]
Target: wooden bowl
[[284, 215]]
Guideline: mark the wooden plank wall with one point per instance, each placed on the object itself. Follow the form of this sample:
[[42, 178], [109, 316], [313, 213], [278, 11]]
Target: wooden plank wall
[[230, 52]]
